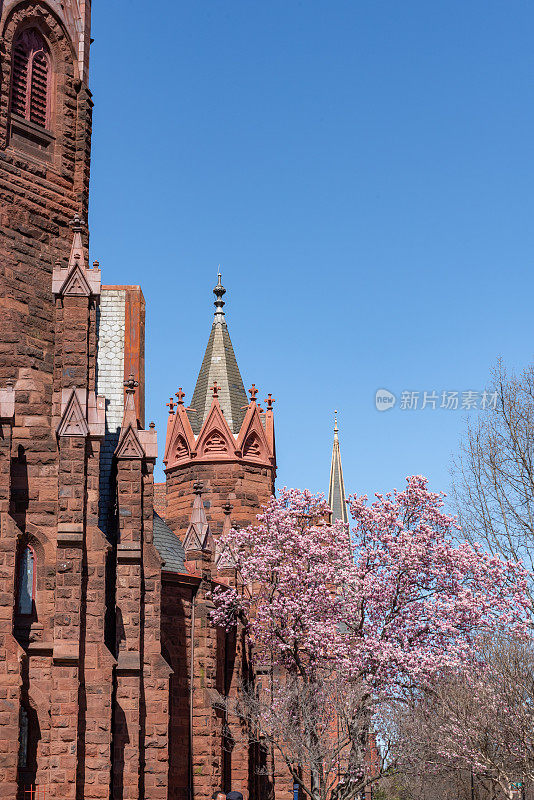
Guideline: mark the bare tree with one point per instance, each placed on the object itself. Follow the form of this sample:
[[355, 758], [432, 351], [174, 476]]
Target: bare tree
[[480, 722], [314, 727], [494, 474]]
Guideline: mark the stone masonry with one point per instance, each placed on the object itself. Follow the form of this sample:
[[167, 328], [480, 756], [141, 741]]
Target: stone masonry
[[111, 671]]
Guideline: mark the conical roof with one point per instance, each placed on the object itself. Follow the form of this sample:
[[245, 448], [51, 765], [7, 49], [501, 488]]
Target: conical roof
[[336, 490], [219, 366]]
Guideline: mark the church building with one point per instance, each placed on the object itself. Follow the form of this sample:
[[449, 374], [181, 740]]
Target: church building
[[111, 672]]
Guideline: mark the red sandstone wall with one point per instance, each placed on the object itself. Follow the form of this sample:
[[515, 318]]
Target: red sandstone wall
[[176, 647], [245, 486], [38, 197], [160, 499], [38, 200], [220, 662]]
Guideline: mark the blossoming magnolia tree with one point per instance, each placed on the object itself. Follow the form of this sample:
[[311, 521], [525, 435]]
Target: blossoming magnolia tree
[[341, 624]]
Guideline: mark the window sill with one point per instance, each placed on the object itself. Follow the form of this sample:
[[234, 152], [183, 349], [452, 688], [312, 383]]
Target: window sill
[[31, 138]]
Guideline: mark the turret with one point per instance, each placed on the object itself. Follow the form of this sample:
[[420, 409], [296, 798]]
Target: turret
[[224, 440]]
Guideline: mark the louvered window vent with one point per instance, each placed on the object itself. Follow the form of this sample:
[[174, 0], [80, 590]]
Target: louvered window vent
[[30, 94]]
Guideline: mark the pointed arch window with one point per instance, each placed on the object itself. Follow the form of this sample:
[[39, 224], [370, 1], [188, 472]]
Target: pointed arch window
[[23, 737], [26, 582], [31, 79]]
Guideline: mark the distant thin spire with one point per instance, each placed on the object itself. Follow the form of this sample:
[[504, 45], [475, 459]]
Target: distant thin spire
[[219, 293], [336, 489]]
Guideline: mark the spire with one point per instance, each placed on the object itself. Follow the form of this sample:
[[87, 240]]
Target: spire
[[76, 278], [197, 536], [219, 366], [130, 415], [76, 254], [223, 555], [336, 490]]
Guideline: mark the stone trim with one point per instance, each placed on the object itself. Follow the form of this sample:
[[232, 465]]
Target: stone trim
[[129, 553], [69, 534], [40, 648], [66, 653], [129, 662], [7, 403]]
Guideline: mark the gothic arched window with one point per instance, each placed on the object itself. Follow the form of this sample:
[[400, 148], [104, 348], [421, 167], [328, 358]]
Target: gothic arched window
[[23, 737], [30, 86], [26, 581]]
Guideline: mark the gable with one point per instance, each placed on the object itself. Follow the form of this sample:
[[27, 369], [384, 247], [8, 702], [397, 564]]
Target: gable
[[75, 284], [180, 444], [73, 421], [129, 445], [252, 441], [216, 440]]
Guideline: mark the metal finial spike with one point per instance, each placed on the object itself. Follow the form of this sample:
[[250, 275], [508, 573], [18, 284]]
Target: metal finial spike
[[219, 293], [336, 429], [131, 384]]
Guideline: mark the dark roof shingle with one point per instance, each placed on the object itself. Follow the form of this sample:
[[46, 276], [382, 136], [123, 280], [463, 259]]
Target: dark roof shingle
[[168, 546]]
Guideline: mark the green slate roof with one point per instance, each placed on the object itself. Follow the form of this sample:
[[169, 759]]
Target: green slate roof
[[336, 489], [219, 365], [168, 546]]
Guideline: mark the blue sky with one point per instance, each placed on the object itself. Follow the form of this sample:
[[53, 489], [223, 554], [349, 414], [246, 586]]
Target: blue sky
[[363, 171]]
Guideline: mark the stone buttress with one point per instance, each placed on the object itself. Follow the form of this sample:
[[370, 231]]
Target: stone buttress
[[45, 141], [141, 715]]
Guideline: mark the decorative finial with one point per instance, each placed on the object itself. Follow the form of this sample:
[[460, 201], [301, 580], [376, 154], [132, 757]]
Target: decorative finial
[[180, 395], [131, 384], [198, 487], [76, 224], [269, 400], [227, 508], [219, 293], [336, 429], [215, 389], [152, 425], [253, 392], [171, 405]]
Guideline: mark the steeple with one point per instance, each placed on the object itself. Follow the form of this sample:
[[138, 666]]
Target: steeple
[[219, 366], [336, 490]]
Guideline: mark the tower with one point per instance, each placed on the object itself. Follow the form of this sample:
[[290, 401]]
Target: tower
[[219, 461], [45, 140], [52, 554], [336, 488], [224, 440]]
